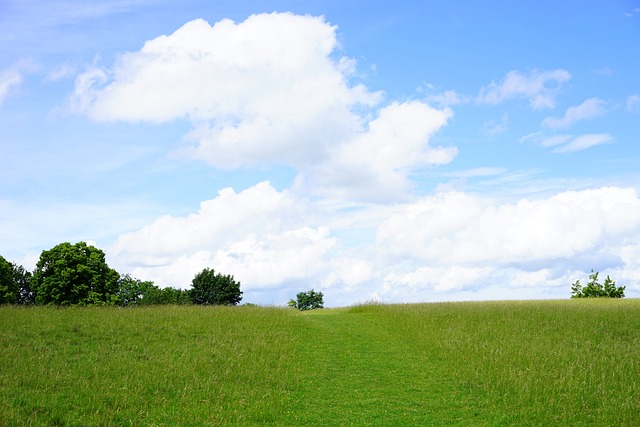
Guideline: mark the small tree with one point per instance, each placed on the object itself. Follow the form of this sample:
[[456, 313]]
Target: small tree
[[309, 300], [210, 288], [594, 289]]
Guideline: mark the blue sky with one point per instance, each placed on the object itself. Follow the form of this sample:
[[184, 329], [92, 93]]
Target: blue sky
[[405, 151]]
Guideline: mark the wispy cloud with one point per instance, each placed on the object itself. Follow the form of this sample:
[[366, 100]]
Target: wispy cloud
[[585, 141], [604, 71], [493, 127], [447, 98], [538, 87], [59, 12], [476, 172], [589, 109], [632, 13], [566, 143], [9, 79], [633, 103], [61, 72]]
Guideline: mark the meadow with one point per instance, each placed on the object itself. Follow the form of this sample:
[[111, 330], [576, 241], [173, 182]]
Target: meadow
[[572, 362]]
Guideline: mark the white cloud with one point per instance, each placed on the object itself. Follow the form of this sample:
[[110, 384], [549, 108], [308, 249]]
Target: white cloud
[[9, 78], [269, 90], [447, 246], [633, 103], [259, 209], [238, 76], [256, 234], [440, 279], [538, 87], [585, 141], [458, 229], [592, 107], [454, 246], [374, 164]]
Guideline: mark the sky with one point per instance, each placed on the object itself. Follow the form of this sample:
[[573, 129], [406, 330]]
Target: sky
[[406, 151]]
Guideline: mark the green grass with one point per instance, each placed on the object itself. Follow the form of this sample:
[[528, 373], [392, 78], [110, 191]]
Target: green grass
[[574, 362]]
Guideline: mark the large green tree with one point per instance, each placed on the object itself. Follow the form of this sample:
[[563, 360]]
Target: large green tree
[[211, 288], [8, 286], [74, 274]]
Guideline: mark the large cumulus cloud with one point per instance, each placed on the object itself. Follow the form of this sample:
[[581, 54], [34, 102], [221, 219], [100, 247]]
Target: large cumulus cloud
[[271, 89]]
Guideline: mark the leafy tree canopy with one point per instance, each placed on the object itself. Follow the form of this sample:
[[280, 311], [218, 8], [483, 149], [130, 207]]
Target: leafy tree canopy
[[309, 300], [594, 289], [8, 287], [211, 288], [74, 274]]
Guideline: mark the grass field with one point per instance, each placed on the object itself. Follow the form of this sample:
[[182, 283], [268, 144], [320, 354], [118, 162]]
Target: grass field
[[573, 362]]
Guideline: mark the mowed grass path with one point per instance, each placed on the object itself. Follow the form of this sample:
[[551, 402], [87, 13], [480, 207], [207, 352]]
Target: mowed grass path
[[571, 362]]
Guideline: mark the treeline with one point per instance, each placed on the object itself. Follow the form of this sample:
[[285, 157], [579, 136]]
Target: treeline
[[70, 275]]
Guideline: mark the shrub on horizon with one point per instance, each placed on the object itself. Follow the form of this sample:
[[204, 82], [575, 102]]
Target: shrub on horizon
[[309, 300], [594, 289]]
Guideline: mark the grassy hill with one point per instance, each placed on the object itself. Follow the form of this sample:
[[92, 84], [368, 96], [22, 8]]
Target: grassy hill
[[573, 362]]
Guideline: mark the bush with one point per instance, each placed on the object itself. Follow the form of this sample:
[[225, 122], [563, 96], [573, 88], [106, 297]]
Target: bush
[[596, 290], [309, 300], [210, 288]]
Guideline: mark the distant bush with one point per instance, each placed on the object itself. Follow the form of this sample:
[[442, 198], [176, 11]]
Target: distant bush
[[309, 300], [594, 289], [211, 288], [134, 292]]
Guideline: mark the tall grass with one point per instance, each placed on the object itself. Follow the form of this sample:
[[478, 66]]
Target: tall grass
[[492, 363], [146, 366]]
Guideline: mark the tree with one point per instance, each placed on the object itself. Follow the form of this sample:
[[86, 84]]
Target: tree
[[8, 287], [170, 295], [309, 300], [596, 290], [22, 279], [210, 288], [74, 274], [132, 291]]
